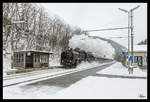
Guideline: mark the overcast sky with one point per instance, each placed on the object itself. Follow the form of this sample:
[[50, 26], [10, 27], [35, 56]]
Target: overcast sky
[[102, 16]]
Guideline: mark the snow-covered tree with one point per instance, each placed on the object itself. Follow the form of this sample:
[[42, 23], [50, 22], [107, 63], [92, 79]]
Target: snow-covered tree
[[39, 32]]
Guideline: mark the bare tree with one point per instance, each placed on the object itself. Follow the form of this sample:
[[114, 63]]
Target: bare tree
[[40, 32]]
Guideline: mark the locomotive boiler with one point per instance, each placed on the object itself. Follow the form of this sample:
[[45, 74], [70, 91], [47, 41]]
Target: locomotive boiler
[[71, 58]]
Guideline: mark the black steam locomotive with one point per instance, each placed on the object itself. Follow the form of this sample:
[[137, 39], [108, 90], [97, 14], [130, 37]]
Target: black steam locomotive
[[71, 58]]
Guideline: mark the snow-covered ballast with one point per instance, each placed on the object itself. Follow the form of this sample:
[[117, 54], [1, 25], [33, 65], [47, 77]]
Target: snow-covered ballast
[[31, 59]]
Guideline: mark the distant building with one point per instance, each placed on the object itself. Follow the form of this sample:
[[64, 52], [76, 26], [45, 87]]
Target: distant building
[[140, 55]]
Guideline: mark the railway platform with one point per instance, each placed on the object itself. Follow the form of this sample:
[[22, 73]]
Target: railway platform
[[23, 70]]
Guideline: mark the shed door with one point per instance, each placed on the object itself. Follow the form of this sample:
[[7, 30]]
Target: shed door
[[29, 59]]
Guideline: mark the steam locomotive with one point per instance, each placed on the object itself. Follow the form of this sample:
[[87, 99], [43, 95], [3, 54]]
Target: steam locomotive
[[71, 58]]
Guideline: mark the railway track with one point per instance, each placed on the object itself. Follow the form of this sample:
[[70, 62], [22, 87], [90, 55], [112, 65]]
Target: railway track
[[19, 75], [49, 76], [33, 77], [29, 74]]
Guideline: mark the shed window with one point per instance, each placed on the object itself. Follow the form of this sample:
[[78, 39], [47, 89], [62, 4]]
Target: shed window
[[15, 58], [41, 58], [18, 57], [36, 58], [21, 57], [45, 59]]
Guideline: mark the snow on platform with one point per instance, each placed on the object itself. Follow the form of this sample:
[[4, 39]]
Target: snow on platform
[[119, 69]]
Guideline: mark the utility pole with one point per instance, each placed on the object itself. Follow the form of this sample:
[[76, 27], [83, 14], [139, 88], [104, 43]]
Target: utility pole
[[129, 38], [132, 32], [128, 33], [132, 37], [130, 12]]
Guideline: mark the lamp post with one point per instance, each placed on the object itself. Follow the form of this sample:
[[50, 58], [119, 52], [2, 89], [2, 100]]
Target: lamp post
[[128, 31], [130, 11], [132, 31]]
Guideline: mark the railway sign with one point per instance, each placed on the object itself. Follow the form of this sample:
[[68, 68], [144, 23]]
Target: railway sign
[[130, 58]]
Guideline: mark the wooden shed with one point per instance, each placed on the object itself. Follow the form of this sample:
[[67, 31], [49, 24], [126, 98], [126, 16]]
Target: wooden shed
[[31, 59]]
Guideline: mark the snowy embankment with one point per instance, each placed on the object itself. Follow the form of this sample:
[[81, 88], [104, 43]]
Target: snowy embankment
[[119, 69], [99, 48]]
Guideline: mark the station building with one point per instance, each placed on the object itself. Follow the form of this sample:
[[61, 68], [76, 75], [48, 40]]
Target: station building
[[140, 55], [31, 59]]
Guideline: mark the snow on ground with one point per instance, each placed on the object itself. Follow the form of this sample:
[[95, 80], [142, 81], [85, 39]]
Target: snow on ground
[[97, 47], [6, 64], [16, 92], [88, 88], [91, 87], [104, 88], [54, 62], [119, 69], [88, 64]]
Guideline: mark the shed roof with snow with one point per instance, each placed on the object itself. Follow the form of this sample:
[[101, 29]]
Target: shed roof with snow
[[33, 51]]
